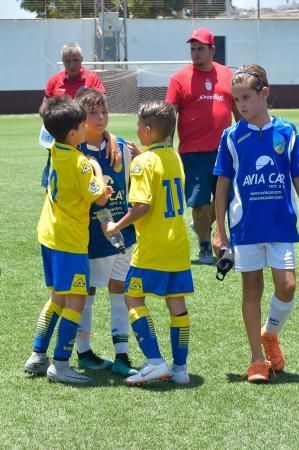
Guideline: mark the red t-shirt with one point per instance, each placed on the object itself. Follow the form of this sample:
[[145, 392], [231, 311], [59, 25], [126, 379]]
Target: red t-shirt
[[205, 106], [59, 84]]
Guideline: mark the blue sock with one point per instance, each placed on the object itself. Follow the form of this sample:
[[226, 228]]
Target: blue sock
[[66, 334], [179, 335], [144, 331], [45, 326]]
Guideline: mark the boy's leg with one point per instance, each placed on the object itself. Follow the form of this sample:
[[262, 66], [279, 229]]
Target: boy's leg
[[38, 362], [179, 336], [154, 368], [253, 285], [87, 359], [282, 303], [60, 370], [119, 322]]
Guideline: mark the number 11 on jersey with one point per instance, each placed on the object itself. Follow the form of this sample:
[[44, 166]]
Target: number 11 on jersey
[[172, 187]]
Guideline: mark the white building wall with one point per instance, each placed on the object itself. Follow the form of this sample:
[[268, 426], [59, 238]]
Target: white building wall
[[30, 49]]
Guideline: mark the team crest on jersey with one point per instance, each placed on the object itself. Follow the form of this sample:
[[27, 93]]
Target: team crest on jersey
[[136, 169], [86, 167], [208, 84], [279, 146], [94, 188], [136, 285]]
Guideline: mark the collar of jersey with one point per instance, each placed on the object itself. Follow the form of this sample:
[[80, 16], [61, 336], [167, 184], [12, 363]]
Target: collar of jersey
[[95, 148], [66, 147], [265, 127], [158, 145]]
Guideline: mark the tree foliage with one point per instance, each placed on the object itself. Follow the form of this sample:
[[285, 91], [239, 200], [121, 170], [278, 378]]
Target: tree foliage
[[136, 8]]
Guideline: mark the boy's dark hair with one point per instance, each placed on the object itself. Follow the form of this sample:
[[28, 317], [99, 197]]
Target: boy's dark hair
[[253, 76], [160, 116], [62, 115], [91, 98]]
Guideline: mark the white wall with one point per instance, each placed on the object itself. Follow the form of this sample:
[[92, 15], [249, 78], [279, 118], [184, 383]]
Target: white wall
[[30, 48]]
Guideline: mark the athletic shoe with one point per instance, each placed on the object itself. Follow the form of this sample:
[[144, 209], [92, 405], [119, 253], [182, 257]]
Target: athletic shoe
[[206, 254], [259, 371], [62, 372], [37, 364], [272, 350], [149, 372], [89, 360], [122, 366], [180, 377]]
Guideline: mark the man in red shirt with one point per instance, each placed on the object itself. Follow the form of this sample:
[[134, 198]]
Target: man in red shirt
[[201, 93], [73, 77]]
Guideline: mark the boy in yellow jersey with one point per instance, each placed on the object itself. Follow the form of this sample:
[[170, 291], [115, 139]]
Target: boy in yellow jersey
[[74, 183], [160, 264]]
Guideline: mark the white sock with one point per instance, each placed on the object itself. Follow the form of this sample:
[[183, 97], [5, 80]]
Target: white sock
[[279, 312], [119, 322], [84, 330]]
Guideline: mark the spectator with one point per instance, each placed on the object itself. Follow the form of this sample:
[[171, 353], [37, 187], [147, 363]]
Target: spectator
[[202, 96]]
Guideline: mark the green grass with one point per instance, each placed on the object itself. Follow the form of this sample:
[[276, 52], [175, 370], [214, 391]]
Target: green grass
[[214, 412]]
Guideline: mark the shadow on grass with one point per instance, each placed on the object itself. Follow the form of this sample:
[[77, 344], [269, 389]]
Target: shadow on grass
[[195, 262], [280, 378]]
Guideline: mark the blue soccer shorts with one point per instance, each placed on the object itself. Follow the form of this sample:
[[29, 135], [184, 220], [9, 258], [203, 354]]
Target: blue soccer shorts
[[157, 283], [200, 183], [66, 273]]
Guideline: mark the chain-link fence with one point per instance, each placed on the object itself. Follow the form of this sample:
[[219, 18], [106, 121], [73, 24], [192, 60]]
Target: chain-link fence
[[179, 9]]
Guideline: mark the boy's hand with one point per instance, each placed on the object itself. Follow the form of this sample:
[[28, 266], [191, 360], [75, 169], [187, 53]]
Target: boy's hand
[[112, 150], [219, 242], [109, 229], [108, 192], [134, 150]]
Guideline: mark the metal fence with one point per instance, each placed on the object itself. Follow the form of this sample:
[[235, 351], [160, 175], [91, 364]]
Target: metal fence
[[180, 9]]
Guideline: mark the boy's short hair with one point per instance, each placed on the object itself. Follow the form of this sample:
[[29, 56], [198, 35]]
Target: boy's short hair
[[91, 98], [61, 115], [160, 116]]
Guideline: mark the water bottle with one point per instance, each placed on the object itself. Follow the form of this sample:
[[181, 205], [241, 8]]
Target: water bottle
[[117, 240]]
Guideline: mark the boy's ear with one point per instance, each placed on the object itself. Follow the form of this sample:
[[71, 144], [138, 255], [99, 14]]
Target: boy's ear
[[266, 91], [148, 130]]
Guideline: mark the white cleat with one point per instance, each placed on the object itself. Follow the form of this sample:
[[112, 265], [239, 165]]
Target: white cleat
[[180, 377], [62, 372], [37, 364], [149, 372]]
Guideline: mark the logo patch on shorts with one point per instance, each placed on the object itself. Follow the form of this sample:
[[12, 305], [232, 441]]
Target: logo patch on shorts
[[79, 282], [136, 285]]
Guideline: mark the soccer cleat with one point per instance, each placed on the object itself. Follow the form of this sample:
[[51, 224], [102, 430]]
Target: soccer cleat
[[259, 371], [149, 372], [37, 364], [180, 377], [62, 372], [272, 350], [206, 254], [89, 360], [122, 366]]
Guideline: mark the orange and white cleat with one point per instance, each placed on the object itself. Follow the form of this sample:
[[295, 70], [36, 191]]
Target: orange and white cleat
[[259, 371], [272, 350]]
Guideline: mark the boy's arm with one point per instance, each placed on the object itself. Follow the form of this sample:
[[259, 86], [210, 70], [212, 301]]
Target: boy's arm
[[137, 211], [296, 184], [112, 150], [221, 200], [102, 200]]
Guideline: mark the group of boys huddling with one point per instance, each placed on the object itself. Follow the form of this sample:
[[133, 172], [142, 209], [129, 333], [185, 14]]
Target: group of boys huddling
[[78, 255]]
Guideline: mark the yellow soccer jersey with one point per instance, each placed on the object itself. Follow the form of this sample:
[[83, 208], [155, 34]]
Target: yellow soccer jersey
[[72, 188], [157, 179]]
